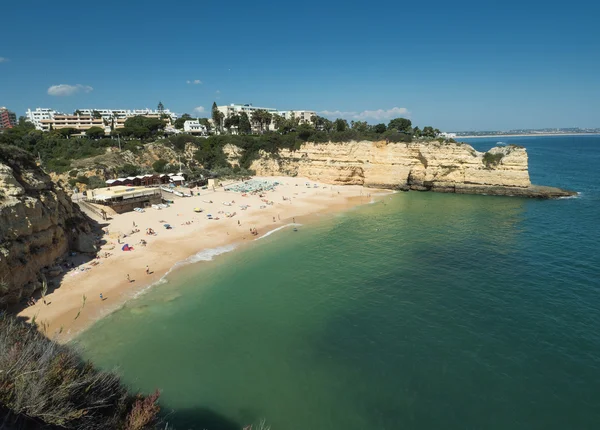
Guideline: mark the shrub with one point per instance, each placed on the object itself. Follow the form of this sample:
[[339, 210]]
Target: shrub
[[83, 179], [46, 385], [159, 165], [96, 182], [492, 160]]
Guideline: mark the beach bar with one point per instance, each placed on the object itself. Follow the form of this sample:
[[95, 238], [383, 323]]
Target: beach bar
[[122, 198]]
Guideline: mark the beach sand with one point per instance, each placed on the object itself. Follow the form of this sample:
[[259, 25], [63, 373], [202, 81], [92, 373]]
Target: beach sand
[[64, 316]]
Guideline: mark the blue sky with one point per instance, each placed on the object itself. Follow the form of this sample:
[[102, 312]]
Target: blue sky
[[454, 65]]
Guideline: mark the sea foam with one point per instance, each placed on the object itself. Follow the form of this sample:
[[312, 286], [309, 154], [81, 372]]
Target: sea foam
[[269, 233]]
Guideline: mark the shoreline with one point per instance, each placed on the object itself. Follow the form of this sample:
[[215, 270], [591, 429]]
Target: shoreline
[[487, 136], [75, 304]]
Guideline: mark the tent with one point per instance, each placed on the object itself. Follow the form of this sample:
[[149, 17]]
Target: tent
[[126, 247]]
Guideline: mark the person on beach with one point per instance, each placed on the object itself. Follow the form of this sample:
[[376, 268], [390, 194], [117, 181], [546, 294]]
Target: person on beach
[[128, 278], [274, 219], [147, 270], [239, 222], [294, 220], [101, 298]]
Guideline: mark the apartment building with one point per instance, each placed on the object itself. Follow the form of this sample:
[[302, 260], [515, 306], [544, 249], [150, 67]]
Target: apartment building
[[39, 114], [46, 119], [232, 109], [78, 122], [126, 113], [8, 119]]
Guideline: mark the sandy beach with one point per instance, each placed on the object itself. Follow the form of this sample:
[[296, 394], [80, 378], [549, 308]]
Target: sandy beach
[[104, 281]]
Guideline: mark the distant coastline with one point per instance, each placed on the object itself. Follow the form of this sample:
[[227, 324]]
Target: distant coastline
[[525, 135]]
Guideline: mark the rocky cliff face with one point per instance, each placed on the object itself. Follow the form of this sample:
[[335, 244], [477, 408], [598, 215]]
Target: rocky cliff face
[[442, 167], [38, 224]]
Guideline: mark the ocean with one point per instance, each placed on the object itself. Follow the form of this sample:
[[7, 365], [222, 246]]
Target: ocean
[[421, 311]]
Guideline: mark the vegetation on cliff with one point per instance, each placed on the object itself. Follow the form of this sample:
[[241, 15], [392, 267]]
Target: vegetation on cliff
[[47, 385]]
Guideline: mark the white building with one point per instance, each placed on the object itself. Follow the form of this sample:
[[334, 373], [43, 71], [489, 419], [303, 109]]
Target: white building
[[127, 113], [48, 119], [448, 135], [232, 109], [36, 116], [194, 127]]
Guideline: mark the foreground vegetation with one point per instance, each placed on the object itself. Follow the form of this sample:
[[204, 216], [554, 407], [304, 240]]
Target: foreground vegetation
[[46, 385]]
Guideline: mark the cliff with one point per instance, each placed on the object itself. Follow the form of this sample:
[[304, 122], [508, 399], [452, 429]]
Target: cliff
[[423, 166], [38, 225]]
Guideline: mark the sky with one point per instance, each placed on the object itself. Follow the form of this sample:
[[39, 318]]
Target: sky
[[459, 65]]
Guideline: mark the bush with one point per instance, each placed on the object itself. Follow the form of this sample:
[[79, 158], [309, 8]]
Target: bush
[[96, 182], [83, 179], [492, 160], [129, 170], [159, 165], [46, 385]]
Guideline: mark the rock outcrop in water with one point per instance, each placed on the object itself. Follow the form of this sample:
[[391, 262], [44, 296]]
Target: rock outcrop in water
[[423, 166], [38, 225]]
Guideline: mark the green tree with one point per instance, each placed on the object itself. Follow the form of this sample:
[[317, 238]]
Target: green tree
[[96, 114], [232, 121], [25, 124], [67, 131], [94, 132], [159, 165], [245, 126], [77, 112], [179, 122], [360, 126], [417, 132], [160, 108], [96, 182], [402, 125], [428, 131], [129, 170], [142, 127], [340, 124], [217, 117], [206, 123], [262, 118], [379, 128], [279, 122]]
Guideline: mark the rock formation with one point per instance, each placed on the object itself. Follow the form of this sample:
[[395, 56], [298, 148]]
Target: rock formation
[[442, 167], [38, 225]]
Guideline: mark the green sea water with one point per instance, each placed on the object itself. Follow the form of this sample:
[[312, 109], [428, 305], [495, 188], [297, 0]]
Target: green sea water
[[420, 311]]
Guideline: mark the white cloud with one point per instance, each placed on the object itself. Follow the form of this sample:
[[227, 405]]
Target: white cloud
[[217, 92], [68, 90], [195, 82], [378, 115], [199, 109], [4, 60]]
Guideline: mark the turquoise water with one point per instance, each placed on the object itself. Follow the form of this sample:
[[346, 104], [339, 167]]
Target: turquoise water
[[426, 311]]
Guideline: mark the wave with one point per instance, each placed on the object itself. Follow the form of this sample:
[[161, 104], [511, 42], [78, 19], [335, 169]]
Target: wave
[[207, 254], [579, 194], [277, 229], [204, 255]]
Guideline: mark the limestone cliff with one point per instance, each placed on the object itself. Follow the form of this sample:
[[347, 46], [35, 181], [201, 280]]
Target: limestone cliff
[[38, 224], [442, 167]]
